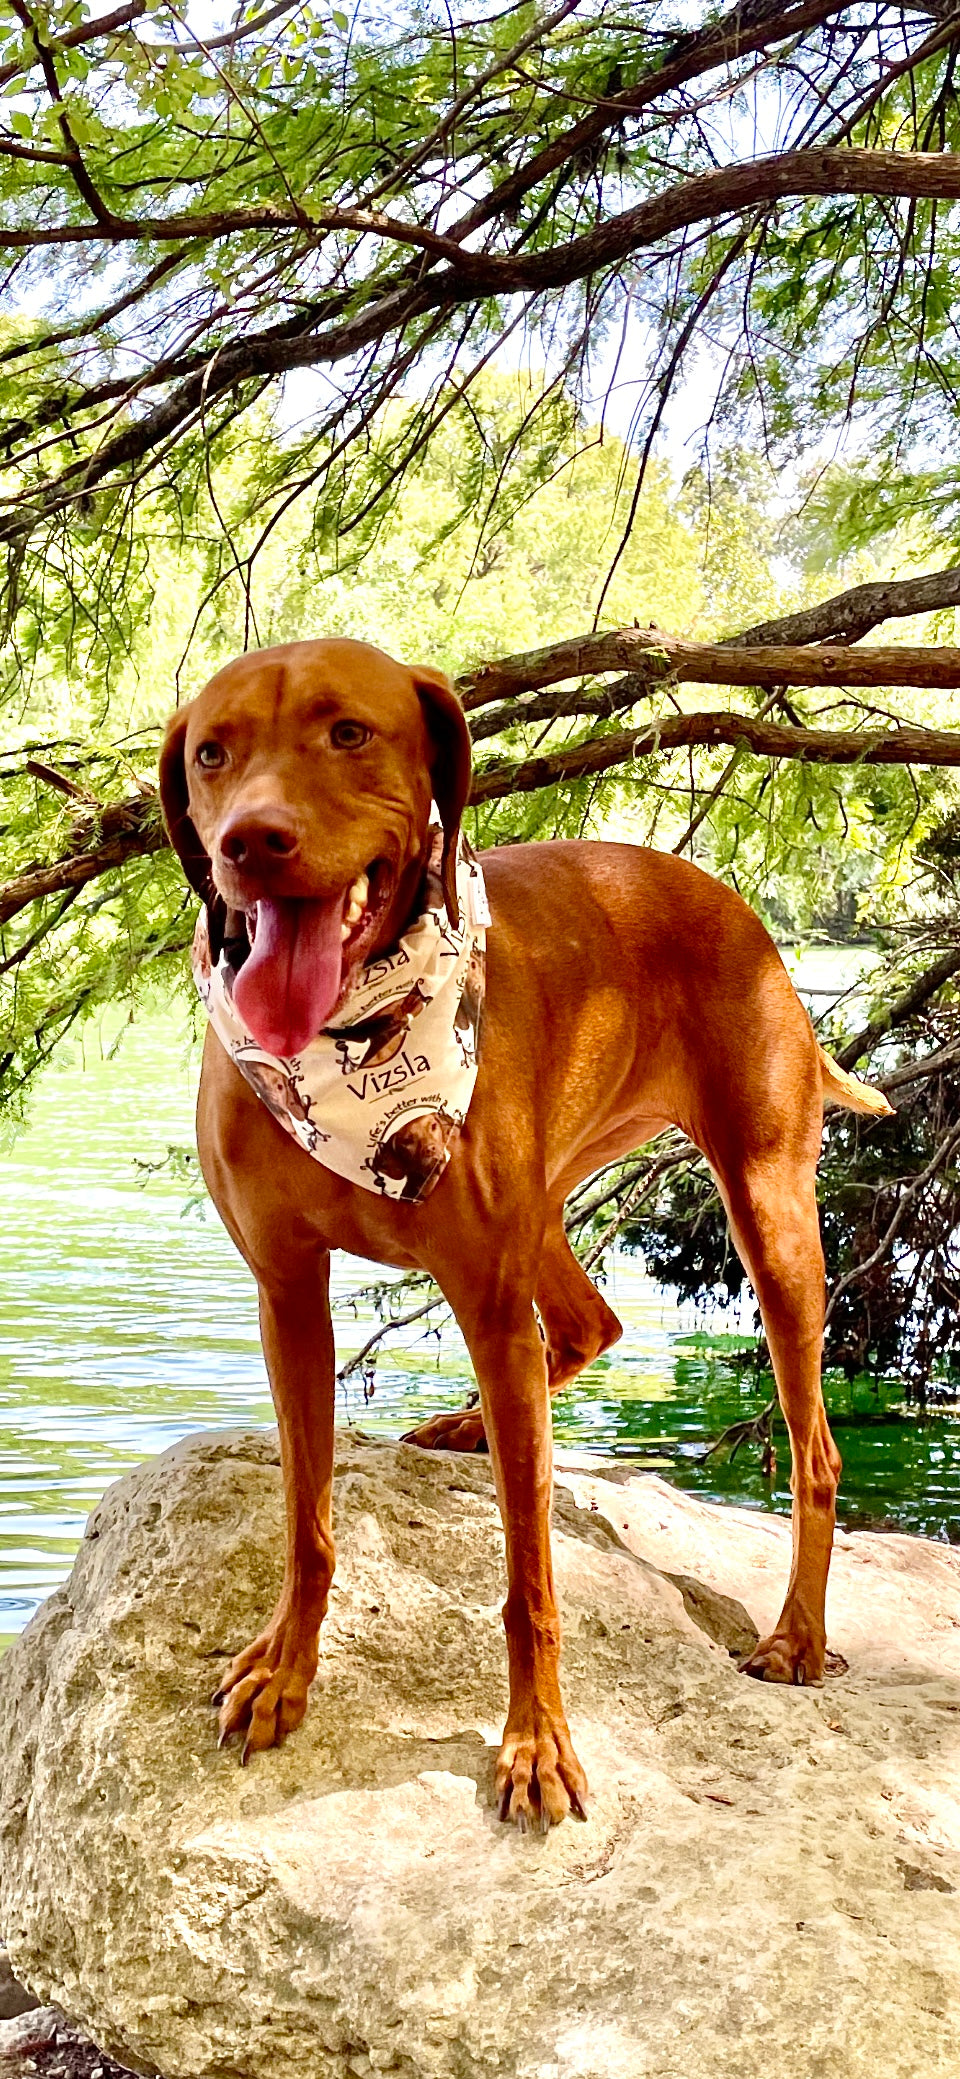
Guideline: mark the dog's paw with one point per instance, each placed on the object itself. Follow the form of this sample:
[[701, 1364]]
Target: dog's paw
[[263, 1695], [539, 1779], [796, 1657], [461, 1431]]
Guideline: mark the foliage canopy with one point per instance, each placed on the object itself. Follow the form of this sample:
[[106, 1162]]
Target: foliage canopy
[[272, 227]]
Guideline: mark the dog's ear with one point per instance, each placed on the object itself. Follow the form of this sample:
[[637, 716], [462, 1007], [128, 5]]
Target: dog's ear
[[175, 803], [390, 1163], [449, 770]]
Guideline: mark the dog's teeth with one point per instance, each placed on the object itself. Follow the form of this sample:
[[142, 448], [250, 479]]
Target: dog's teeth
[[355, 905]]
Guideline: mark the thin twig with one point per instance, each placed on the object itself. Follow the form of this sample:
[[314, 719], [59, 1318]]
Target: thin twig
[[354, 1364]]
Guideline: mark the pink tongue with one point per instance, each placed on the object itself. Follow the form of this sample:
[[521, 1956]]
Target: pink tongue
[[288, 986]]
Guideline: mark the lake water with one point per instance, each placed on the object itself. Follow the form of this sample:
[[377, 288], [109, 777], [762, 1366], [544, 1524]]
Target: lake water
[[127, 1321]]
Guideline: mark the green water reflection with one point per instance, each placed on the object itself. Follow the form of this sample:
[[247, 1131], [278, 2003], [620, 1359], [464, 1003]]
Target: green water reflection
[[124, 1325]]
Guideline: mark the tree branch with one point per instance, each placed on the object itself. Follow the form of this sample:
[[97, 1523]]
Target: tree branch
[[472, 277], [740, 33], [557, 703], [229, 36], [651, 654], [388, 1327], [86, 326], [264, 216], [905, 746], [130, 828], [10, 149], [850, 615], [85, 32], [140, 831], [901, 1009], [753, 184], [920, 1071], [86, 188], [756, 183]]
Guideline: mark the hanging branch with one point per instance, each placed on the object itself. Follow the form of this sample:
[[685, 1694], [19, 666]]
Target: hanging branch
[[392, 1327], [632, 1200]]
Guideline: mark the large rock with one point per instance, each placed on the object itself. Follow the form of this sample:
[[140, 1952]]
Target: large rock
[[769, 1880]]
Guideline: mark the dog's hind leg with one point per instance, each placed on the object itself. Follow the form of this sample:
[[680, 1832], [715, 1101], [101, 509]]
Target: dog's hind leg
[[578, 1326], [772, 1207]]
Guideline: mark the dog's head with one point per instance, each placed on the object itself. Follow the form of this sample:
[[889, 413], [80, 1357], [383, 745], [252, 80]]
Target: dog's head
[[415, 1151], [296, 789]]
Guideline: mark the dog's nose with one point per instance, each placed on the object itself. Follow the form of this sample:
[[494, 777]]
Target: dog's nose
[[258, 838]]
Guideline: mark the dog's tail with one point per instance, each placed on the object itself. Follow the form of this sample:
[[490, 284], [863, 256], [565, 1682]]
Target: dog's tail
[[841, 1088]]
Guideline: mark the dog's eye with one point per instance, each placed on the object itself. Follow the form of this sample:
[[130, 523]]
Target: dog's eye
[[210, 755], [349, 736]]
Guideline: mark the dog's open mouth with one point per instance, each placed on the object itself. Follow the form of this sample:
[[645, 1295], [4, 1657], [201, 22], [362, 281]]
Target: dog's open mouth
[[304, 954]]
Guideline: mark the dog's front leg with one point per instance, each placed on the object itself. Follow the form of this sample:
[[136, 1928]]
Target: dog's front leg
[[264, 1692], [538, 1776]]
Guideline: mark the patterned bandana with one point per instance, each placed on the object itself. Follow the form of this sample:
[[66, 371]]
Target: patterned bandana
[[381, 1096]]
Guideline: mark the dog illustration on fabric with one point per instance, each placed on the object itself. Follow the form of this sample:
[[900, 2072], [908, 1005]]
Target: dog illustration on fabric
[[433, 896], [372, 1041], [473, 893], [202, 963], [470, 1007], [279, 1093], [416, 1149]]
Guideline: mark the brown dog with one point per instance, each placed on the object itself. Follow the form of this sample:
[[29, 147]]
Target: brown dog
[[626, 991]]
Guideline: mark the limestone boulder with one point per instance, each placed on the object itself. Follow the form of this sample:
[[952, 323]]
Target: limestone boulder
[[768, 1881]]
